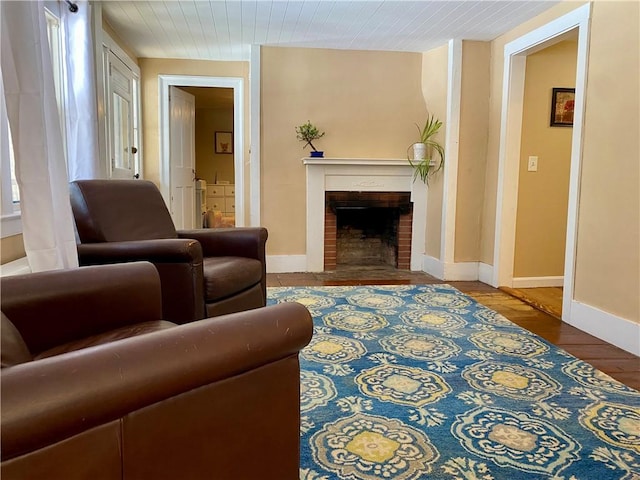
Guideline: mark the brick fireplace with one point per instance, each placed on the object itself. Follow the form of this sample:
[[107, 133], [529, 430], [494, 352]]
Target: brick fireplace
[[367, 228], [373, 180]]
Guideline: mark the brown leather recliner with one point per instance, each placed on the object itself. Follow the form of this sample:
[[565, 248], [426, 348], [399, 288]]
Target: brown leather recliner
[[204, 272], [95, 386]]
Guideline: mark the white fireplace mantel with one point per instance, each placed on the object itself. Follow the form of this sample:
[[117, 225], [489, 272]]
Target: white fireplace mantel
[[360, 175]]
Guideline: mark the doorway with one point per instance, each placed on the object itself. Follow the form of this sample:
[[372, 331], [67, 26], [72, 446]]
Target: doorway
[[214, 154], [543, 178], [516, 52], [236, 85]]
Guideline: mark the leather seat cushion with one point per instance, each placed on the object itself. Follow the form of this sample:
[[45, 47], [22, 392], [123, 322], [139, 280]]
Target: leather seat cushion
[[107, 337], [227, 276]]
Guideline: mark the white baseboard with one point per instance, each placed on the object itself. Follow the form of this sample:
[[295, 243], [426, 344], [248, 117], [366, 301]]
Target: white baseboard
[[454, 271], [534, 282], [485, 273], [461, 271], [433, 267], [286, 263], [618, 331], [16, 267]]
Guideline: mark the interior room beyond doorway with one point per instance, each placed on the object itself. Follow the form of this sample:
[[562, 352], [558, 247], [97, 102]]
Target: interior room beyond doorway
[[215, 153]]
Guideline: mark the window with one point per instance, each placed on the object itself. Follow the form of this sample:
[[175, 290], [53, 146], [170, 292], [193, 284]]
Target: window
[[10, 207]]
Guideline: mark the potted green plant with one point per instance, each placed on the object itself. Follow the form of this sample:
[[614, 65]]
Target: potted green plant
[[307, 133], [423, 152]]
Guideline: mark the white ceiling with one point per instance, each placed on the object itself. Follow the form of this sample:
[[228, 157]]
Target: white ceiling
[[226, 29]]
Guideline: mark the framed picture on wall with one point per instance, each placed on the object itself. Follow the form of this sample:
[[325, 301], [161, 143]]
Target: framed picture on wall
[[562, 104], [224, 142]]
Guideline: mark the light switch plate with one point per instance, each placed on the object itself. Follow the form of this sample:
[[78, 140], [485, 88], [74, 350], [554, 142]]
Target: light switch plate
[[532, 165]]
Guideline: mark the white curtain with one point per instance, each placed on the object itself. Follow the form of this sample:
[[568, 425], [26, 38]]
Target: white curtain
[[81, 114], [27, 76]]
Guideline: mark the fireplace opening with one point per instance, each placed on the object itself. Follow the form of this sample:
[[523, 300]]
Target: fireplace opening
[[367, 236], [368, 229]]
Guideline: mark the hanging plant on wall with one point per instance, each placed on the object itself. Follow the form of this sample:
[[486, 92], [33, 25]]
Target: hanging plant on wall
[[422, 154], [307, 133]]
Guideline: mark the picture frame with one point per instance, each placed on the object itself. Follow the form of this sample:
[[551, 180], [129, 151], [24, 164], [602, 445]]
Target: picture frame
[[224, 142], [562, 106]]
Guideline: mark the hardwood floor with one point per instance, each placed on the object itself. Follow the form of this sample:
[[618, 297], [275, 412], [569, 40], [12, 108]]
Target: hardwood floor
[[619, 364], [547, 299]]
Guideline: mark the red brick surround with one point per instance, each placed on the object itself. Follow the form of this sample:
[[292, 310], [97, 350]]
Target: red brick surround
[[331, 225]]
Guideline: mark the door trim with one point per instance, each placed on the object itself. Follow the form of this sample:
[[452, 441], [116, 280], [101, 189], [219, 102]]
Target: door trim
[[515, 54], [452, 148], [237, 83], [254, 145]]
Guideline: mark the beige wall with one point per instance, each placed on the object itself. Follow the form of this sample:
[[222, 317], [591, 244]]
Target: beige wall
[[210, 165], [608, 247], [543, 196], [434, 88], [150, 69], [607, 262], [472, 149], [11, 248], [366, 102]]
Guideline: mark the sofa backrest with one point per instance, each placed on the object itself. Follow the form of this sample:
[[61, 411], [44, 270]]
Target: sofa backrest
[[60, 306], [119, 210]]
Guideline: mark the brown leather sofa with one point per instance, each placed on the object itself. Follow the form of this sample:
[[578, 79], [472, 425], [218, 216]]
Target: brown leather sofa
[[95, 386], [204, 272]]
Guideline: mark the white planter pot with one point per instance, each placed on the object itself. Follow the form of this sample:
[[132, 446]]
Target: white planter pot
[[419, 151]]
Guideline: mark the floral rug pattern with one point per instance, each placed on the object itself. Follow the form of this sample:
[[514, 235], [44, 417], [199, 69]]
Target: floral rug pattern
[[416, 382]]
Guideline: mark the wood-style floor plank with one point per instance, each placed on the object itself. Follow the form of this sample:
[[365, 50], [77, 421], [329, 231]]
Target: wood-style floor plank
[[547, 299], [619, 364]]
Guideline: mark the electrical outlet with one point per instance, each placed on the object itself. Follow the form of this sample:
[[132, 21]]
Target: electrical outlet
[[532, 166]]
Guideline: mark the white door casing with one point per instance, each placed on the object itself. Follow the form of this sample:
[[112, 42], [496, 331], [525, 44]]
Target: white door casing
[[182, 117], [237, 84], [515, 54]]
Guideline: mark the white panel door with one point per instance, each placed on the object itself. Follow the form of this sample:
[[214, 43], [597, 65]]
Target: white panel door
[[121, 121], [182, 113]]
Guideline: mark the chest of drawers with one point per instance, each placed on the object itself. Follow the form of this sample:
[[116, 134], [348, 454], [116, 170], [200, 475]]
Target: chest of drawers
[[221, 198]]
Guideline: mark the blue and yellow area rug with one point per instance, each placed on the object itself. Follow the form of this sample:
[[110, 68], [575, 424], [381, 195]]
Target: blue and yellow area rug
[[422, 382]]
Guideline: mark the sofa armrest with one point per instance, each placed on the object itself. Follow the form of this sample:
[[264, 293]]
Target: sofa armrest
[[230, 242], [56, 307], [166, 250], [47, 401]]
